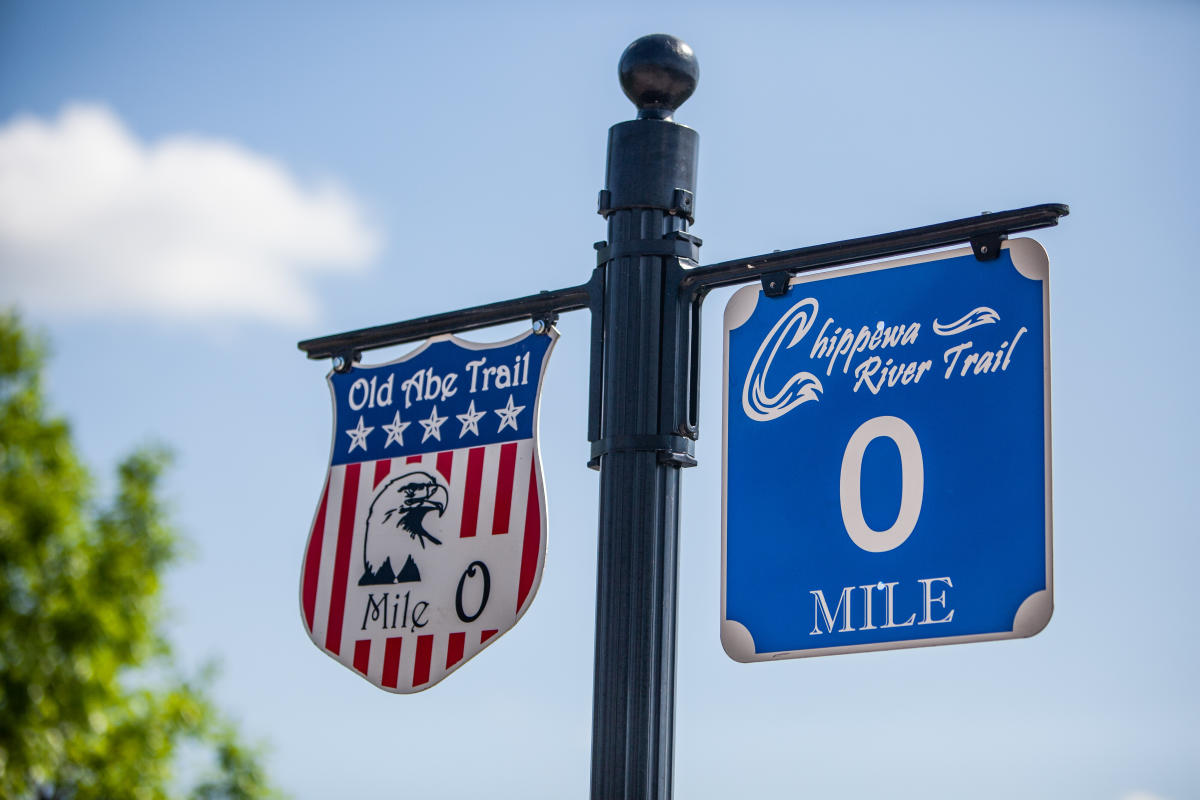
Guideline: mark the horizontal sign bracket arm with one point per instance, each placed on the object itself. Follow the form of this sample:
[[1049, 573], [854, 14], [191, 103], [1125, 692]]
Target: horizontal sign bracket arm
[[542, 306], [885, 245]]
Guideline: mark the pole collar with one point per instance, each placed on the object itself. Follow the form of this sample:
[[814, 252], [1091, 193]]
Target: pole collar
[[679, 244], [671, 449]]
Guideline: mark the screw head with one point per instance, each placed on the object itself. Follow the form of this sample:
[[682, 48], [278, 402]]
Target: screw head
[[658, 73], [339, 363]]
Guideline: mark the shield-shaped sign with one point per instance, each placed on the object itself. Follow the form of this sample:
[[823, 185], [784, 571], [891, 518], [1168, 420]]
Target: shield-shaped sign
[[430, 534]]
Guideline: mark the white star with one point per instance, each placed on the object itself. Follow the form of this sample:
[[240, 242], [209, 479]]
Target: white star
[[358, 435], [432, 426], [470, 420], [395, 431], [508, 414]]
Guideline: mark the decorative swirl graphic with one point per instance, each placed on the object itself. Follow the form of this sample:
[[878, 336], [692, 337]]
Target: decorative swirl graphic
[[800, 388], [980, 316]]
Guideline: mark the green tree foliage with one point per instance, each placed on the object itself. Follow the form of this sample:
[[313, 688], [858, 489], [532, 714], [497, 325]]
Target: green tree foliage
[[91, 704]]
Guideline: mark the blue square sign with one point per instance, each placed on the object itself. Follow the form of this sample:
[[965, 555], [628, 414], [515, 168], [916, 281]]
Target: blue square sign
[[887, 457]]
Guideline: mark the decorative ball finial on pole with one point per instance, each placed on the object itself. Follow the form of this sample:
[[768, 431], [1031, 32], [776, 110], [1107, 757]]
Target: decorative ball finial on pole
[[658, 73]]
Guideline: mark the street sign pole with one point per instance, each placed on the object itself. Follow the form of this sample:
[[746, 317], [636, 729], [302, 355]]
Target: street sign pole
[[644, 296], [641, 436]]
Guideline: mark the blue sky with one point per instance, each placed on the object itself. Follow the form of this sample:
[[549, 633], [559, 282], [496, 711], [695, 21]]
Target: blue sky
[[255, 174]]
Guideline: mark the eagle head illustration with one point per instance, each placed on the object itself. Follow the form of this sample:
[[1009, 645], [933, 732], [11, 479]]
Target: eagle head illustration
[[396, 527]]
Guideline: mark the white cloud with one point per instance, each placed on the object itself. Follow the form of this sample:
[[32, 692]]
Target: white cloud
[[1141, 796], [95, 221]]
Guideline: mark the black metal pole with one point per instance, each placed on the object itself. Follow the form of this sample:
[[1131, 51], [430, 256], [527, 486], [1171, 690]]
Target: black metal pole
[[642, 442]]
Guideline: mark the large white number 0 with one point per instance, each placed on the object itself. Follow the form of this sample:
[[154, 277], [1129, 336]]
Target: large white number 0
[[912, 486]]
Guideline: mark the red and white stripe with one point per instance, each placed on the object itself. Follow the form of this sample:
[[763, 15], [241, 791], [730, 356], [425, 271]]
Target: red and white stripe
[[494, 491]]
